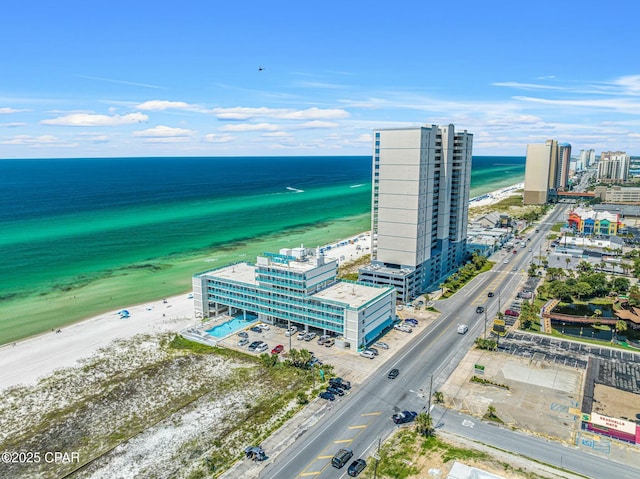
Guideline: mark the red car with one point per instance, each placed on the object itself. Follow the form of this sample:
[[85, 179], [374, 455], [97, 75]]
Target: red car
[[515, 251], [511, 312], [278, 349]]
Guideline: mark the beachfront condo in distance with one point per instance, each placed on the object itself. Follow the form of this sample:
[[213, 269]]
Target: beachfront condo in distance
[[613, 167], [546, 171], [297, 287], [420, 204]]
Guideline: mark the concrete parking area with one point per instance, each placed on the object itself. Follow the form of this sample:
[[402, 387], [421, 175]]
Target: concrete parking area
[[347, 363]]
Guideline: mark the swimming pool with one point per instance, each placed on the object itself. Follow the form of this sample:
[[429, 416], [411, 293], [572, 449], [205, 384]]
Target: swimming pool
[[233, 325]]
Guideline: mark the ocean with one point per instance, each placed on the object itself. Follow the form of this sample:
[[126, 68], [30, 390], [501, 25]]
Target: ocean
[[68, 223]]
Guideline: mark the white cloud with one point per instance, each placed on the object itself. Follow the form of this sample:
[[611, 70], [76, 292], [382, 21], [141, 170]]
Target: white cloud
[[216, 138], [250, 127], [618, 104], [160, 105], [13, 124], [8, 110], [319, 124], [528, 86], [90, 119], [162, 131], [246, 113], [38, 141], [277, 134]]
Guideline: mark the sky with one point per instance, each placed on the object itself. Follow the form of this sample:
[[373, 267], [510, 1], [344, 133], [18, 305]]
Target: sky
[[213, 78]]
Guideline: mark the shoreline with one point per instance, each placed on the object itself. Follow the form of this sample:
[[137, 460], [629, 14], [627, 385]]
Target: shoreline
[[133, 286], [83, 337]]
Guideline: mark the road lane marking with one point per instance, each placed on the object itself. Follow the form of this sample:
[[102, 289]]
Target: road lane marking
[[314, 473], [358, 427], [371, 413], [342, 441], [325, 457]]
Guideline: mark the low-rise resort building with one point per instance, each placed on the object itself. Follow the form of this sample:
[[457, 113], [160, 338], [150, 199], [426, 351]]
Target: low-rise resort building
[[298, 287]]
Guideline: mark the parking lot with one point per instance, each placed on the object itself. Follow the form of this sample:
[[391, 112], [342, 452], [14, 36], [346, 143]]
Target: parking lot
[[347, 363]]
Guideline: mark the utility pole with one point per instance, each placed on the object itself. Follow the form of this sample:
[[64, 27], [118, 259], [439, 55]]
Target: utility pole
[[289, 331], [377, 458], [430, 393], [485, 322]]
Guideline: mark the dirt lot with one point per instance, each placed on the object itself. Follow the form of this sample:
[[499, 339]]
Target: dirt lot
[[539, 397]]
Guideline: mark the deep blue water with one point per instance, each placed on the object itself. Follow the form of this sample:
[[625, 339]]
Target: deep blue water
[[62, 218]]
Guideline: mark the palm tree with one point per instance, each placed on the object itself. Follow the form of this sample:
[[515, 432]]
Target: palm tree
[[438, 397], [568, 261], [424, 424], [621, 326]]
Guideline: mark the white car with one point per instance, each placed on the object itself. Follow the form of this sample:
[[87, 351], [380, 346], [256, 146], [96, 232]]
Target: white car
[[367, 354], [462, 328], [301, 335], [263, 347], [381, 345], [290, 332], [263, 326]]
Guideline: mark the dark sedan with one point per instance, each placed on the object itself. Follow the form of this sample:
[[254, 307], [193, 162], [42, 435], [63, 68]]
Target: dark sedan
[[393, 373], [404, 417], [356, 467]]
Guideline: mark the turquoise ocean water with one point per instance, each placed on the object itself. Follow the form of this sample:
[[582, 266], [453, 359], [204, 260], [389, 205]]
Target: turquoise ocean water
[[64, 219]]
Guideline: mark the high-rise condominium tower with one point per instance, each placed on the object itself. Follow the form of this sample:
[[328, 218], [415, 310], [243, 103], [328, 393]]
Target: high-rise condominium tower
[[613, 166], [546, 170], [420, 203]]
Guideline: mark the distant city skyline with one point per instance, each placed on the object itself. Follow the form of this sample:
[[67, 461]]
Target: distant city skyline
[[285, 78]]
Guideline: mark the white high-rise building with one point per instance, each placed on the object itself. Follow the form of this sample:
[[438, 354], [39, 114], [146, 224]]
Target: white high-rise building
[[588, 157], [613, 166], [420, 204]]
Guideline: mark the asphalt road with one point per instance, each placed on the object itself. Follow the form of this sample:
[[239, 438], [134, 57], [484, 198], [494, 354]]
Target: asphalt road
[[363, 417]]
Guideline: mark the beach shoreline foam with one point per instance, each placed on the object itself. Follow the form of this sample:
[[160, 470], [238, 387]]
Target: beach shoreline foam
[[26, 360]]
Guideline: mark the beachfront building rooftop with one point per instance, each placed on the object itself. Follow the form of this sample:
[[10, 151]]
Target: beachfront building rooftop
[[420, 204], [297, 287]]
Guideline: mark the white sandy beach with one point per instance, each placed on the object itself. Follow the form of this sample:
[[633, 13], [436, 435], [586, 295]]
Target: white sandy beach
[[38, 356]]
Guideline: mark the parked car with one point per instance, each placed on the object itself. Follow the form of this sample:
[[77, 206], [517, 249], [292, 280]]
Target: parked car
[[367, 354], [463, 328], [404, 417], [291, 331], [243, 341], [381, 345], [254, 345], [411, 321], [479, 309], [335, 391], [262, 347], [329, 342], [373, 350], [263, 326], [256, 329], [322, 339], [393, 373], [327, 395], [309, 336], [278, 349], [341, 458], [301, 335], [511, 312], [340, 383], [243, 334], [356, 467]]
